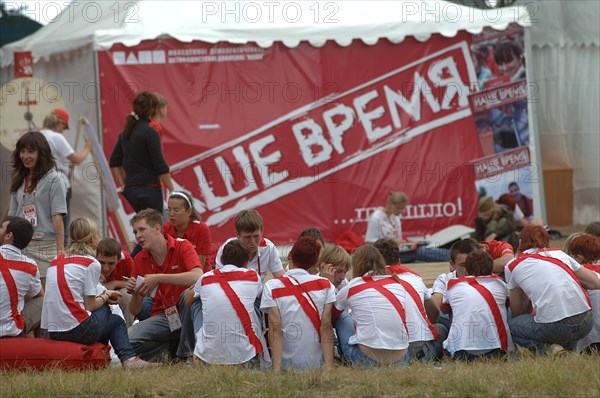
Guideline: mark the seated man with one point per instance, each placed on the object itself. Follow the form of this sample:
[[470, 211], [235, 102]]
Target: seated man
[[166, 267], [501, 252], [231, 292], [478, 303], [116, 271], [299, 306], [263, 253], [458, 254], [21, 292], [421, 310]]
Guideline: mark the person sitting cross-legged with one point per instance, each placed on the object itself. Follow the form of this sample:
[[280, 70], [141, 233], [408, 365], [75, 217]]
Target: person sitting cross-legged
[[478, 303], [167, 266], [299, 308], [231, 332], [376, 332]]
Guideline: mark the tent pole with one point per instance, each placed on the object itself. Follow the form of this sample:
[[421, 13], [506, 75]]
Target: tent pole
[[539, 198], [104, 226]]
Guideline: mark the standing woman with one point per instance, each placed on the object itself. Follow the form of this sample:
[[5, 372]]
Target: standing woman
[[39, 194], [184, 222], [138, 153], [73, 310]]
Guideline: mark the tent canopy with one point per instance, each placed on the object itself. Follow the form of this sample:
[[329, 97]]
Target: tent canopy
[[102, 24]]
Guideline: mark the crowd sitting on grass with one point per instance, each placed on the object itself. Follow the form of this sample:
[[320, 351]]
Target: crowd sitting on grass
[[492, 303]]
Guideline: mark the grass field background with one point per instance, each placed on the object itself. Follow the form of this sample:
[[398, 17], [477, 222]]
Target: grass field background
[[570, 375]]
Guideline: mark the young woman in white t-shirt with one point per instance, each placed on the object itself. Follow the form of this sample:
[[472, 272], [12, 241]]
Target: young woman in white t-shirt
[[376, 332]]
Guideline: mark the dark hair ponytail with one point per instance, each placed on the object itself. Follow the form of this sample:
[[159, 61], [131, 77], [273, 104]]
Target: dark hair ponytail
[[145, 105]]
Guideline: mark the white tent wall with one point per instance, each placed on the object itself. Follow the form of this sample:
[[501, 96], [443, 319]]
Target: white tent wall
[[566, 71], [74, 74]]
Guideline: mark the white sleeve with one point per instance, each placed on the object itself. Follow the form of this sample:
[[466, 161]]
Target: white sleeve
[[373, 229], [341, 299], [92, 279], [440, 284], [63, 148], [267, 300], [36, 285], [218, 262], [198, 284], [330, 298]]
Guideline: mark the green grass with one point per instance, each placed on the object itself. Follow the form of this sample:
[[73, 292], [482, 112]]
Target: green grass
[[571, 375]]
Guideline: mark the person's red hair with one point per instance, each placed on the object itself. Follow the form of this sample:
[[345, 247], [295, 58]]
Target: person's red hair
[[507, 200], [533, 237], [305, 252], [586, 246]]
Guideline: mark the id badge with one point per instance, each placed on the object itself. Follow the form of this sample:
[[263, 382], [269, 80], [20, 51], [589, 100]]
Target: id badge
[[173, 318], [30, 214]]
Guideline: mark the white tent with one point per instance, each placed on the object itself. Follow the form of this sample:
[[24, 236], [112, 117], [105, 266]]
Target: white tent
[[566, 64], [64, 50]]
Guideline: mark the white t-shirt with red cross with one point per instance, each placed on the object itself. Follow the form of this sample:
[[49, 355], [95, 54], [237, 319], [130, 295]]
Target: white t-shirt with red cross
[[301, 308], [419, 327], [479, 320], [380, 323], [23, 279], [267, 258], [554, 294], [69, 280], [226, 336]]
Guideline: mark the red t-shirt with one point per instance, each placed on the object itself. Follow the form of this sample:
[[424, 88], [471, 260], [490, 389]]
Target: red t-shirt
[[498, 248], [181, 258], [122, 269], [198, 234]]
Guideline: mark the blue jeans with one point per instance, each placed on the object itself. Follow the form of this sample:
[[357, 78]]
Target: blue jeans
[[425, 254], [344, 327], [526, 332], [152, 337], [102, 326], [466, 356], [147, 304], [142, 197]]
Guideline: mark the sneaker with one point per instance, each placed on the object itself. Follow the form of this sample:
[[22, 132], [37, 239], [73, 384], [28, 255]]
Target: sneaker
[[137, 363], [556, 350]]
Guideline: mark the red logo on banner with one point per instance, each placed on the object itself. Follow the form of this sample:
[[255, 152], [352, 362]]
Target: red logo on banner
[[23, 64]]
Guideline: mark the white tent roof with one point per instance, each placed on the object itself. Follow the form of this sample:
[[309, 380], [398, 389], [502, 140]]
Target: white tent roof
[[101, 24]]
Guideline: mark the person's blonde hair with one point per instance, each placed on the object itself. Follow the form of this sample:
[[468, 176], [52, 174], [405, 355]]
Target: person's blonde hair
[[367, 259], [50, 122], [82, 232], [336, 256], [398, 197]]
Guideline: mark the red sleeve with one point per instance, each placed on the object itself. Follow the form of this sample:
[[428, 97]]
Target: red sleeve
[[499, 249], [203, 243], [188, 256]]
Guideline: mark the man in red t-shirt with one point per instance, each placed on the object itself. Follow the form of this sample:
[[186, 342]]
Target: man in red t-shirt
[[162, 270], [116, 269]]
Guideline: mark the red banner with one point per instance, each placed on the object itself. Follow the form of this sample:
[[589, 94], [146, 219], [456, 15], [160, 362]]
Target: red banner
[[23, 64], [308, 136]]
